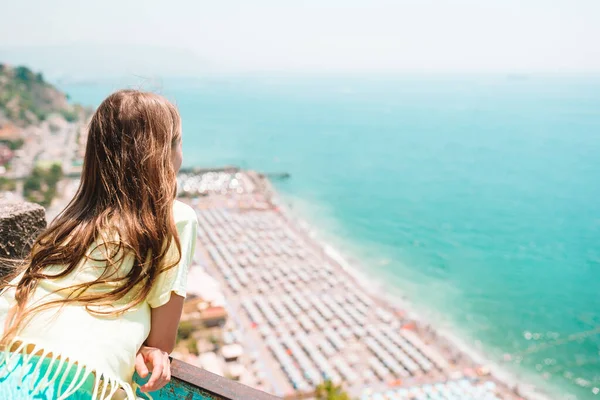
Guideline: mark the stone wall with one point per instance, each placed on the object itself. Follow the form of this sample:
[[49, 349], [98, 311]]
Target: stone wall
[[20, 224]]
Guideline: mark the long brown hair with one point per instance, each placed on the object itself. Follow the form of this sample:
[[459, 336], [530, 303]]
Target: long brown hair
[[125, 197]]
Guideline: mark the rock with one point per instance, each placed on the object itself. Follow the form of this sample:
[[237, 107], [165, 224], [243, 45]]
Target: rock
[[20, 224]]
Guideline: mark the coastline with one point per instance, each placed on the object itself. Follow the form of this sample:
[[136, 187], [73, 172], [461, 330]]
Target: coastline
[[392, 297], [257, 198]]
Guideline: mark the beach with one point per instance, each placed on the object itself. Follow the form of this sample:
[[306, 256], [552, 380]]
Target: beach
[[309, 314]]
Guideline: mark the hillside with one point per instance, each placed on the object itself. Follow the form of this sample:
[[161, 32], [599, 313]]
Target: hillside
[[26, 98]]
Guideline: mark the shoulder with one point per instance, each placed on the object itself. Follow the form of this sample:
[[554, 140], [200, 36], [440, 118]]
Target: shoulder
[[182, 213]]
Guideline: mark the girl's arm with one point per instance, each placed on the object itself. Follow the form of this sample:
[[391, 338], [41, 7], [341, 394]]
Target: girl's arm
[[154, 354], [164, 323], [166, 305]]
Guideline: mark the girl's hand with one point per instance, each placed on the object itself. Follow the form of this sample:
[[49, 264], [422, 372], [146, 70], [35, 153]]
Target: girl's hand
[[158, 361]]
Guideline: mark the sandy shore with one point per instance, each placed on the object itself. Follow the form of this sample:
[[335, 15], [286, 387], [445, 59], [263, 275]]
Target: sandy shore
[[393, 299], [456, 360]]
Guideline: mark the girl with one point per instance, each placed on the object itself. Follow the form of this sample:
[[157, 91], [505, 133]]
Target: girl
[[101, 294]]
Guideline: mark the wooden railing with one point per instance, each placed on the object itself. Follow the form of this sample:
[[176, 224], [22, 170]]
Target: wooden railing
[[192, 383]]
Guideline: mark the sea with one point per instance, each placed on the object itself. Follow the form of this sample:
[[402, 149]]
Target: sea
[[476, 198]]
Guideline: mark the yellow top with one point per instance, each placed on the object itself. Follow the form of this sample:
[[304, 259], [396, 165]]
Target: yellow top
[[105, 345]]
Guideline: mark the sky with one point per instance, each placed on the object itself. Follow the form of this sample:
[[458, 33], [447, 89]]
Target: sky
[[383, 36]]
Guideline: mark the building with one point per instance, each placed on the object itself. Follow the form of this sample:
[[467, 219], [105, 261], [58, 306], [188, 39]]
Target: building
[[232, 352], [213, 316], [201, 313], [6, 154]]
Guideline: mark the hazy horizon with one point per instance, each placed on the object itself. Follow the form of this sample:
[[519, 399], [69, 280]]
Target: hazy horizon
[[329, 36]]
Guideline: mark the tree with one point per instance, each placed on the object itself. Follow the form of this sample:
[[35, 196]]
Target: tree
[[40, 186], [329, 391], [192, 346], [214, 340], [32, 183], [24, 74], [70, 115], [184, 330], [7, 184], [55, 174], [13, 144]]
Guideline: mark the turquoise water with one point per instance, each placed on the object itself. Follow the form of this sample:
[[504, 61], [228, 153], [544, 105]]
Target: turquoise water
[[478, 198]]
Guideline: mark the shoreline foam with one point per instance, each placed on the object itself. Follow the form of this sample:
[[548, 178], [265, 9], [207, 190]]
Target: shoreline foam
[[392, 298]]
